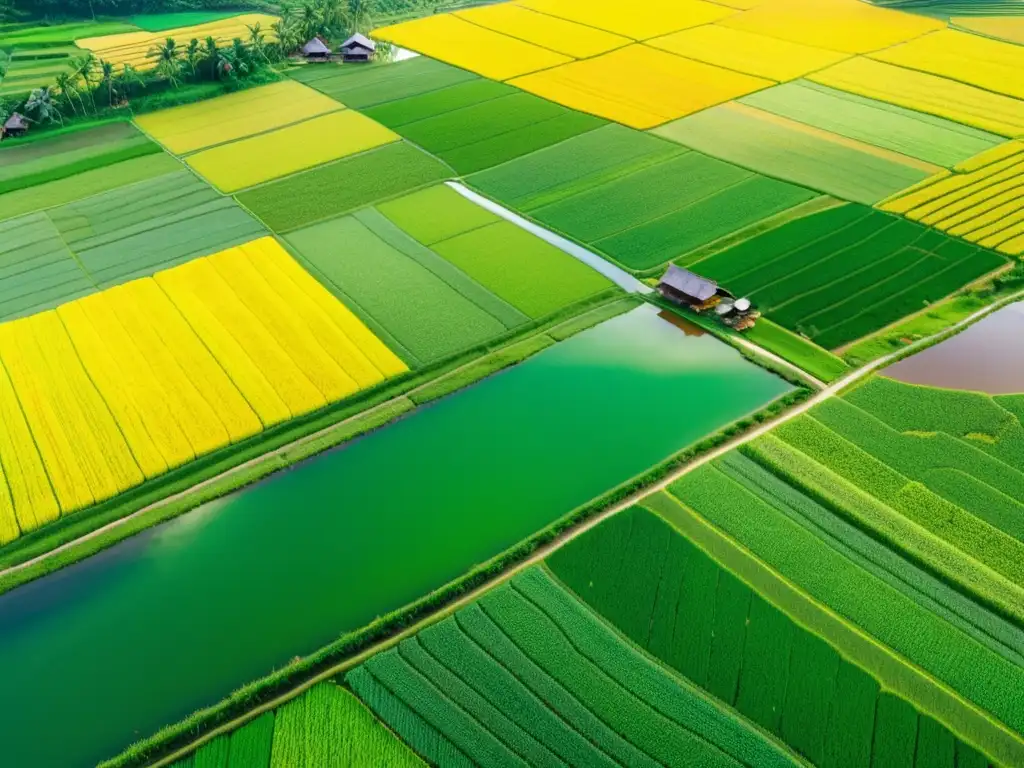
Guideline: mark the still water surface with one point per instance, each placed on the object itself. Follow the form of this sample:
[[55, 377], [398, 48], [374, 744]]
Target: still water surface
[[105, 652], [987, 357]]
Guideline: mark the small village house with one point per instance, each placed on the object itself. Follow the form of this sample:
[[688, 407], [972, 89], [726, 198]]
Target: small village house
[[682, 287], [357, 48], [316, 50], [16, 125]]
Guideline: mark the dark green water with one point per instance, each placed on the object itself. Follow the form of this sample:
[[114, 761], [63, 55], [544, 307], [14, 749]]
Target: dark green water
[[105, 652]]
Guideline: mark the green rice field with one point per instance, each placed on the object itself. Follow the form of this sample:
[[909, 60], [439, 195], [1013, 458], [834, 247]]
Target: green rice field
[[405, 413]]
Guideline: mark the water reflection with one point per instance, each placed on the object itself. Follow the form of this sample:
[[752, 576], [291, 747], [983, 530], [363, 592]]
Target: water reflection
[[987, 357], [687, 327]]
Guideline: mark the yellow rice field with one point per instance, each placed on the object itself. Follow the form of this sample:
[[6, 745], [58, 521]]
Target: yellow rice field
[[989, 64], [639, 20], [927, 93], [847, 26], [982, 200], [234, 116], [1008, 28], [456, 41], [252, 161], [125, 384], [549, 32], [753, 54], [134, 47], [639, 86]]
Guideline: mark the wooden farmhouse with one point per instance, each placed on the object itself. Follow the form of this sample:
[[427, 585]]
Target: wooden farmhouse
[[16, 125], [357, 48], [682, 287], [316, 50]]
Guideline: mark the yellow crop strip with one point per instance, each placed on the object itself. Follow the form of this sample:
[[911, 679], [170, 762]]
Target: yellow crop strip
[[1008, 28], [105, 371], [320, 140], [559, 35], [989, 64], [376, 352], [29, 484], [640, 86], [456, 41], [135, 47], [847, 26], [747, 52], [928, 93], [235, 116], [996, 154], [640, 20], [125, 384]]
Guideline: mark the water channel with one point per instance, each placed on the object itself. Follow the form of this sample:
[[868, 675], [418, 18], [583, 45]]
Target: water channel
[[105, 652]]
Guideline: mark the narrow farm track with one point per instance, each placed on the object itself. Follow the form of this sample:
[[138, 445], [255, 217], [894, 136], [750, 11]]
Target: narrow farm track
[[545, 550]]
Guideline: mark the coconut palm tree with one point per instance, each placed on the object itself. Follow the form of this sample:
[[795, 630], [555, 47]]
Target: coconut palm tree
[[359, 15], [130, 79], [107, 79], [41, 103], [241, 59], [193, 55], [167, 55], [87, 66], [257, 42]]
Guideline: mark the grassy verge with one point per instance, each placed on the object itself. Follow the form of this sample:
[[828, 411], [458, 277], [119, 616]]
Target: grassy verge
[[253, 695], [178, 482], [803, 353], [943, 315]]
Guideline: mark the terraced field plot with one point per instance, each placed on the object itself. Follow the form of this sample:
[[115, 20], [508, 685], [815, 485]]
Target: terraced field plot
[[82, 185], [783, 148], [639, 86], [729, 633], [29, 165], [924, 92], [747, 52], [288, 150], [134, 47], [981, 201], [471, 47], [126, 384], [844, 272], [480, 123], [988, 64], [327, 726], [913, 134], [233, 116], [361, 87], [641, 202], [529, 676], [480, 277]]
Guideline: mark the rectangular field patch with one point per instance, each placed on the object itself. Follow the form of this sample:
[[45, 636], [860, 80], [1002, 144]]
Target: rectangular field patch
[[639, 86], [558, 35], [643, 21], [191, 127], [782, 148], [269, 156]]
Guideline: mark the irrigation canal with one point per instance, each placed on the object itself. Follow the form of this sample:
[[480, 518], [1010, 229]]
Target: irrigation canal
[[102, 653]]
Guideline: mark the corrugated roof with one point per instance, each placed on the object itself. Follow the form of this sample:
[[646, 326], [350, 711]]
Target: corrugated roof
[[686, 282], [359, 40], [316, 45]]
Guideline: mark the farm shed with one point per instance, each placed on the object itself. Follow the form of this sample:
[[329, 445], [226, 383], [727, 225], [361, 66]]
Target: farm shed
[[16, 125], [357, 48], [683, 287], [316, 50]]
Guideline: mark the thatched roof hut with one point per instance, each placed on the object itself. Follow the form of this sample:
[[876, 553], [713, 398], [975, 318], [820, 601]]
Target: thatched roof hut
[[357, 48], [16, 125]]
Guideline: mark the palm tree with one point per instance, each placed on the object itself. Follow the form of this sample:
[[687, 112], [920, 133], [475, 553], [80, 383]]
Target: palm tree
[[41, 102], [219, 63], [257, 44], [107, 78], [67, 89], [193, 55], [167, 55], [240, 57], [359, 15], [86, 67], [131, 78]]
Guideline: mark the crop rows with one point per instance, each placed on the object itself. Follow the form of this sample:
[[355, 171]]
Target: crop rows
[[133, 47], [528, 676], [980, 201], [839, 274], [125, 384], [234, 116], [325, 727], [558, 35], [678, 604], [478, 124]]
